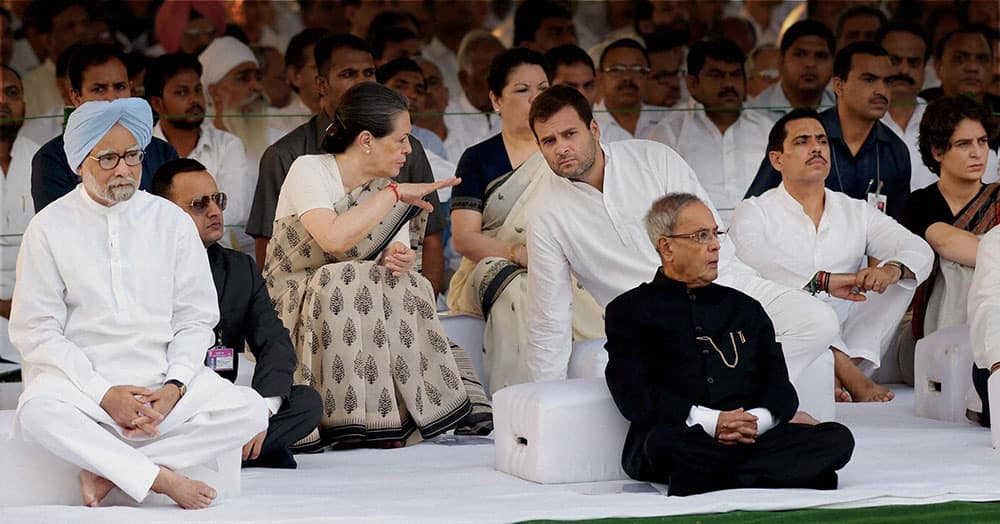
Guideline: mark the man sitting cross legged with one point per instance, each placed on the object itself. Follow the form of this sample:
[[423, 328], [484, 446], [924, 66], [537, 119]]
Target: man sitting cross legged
[[695, 367], [247, 315], [113, 308]]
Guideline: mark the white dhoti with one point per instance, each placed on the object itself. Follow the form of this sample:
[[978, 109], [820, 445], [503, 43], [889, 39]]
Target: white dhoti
[[804, 326], [867, 328], [212, 418]]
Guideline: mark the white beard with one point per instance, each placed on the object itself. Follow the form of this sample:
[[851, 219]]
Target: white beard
[[119, 189], [253, 130]]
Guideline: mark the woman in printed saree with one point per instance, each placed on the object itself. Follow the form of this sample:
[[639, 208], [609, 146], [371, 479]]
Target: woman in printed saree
[[340, 271], [953, 213], [490, 212]]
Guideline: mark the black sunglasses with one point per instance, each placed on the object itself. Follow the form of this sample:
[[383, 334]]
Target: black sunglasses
[[200, 204]]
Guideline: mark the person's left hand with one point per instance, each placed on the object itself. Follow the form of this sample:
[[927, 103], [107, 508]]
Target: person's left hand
[[877, 279], [399, 259], [251, 450], [162, 401]]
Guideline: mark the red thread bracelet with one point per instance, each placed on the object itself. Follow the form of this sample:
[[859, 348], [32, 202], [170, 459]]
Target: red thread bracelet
[[395, 190]]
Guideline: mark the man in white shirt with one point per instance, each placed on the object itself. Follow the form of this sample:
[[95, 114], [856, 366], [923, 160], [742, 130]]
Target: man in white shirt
[[467, 125], [984, 317], [174, 90], [806, 67], [16, 207], [571, 66], [591, 225], [63, 22], [453, 21], [718, 139], [623, 70], [113, 343], [801, 234]]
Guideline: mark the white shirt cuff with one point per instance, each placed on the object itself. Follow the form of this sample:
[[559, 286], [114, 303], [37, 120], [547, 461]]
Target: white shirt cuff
[[706, 417], [765, 420], [273, 404]]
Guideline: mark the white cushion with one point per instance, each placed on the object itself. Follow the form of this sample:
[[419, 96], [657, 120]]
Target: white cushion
[[32, 476], [942, 373], [559, 431]]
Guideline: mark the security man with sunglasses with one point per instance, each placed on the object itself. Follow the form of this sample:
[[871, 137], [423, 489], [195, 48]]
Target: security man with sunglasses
[[247, 317]]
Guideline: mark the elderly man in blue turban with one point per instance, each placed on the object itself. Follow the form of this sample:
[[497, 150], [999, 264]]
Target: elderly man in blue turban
[[114, 308]]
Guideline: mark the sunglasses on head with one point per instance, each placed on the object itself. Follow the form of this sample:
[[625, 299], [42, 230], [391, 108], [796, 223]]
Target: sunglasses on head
[[200, 204]]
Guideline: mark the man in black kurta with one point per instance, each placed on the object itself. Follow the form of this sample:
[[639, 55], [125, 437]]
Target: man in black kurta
[[695, 368], [246, 317]]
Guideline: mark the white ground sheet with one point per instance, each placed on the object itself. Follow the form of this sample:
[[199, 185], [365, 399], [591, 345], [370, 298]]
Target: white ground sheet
[[899, 459]]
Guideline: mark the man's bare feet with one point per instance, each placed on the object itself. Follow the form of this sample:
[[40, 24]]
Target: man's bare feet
[[801, 417], [94, 488], [856, 383], [187, 493], [872, 392], [839, 393]]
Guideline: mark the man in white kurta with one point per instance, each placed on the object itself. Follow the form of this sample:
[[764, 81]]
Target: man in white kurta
[[113, 312], [591, 226], [16, 206], [984, 315], [799, 231]]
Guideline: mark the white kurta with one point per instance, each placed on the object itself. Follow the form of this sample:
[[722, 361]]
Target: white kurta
[[223, 154], [467, 126], [726, 163], [16, 210], [775, 237], [40, 89], [773, 102], [601, 238], [121, 295], [612, 131], [984, 301], [447, 62]]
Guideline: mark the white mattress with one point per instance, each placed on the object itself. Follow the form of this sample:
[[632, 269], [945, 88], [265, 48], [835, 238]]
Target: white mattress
[[899, 459]]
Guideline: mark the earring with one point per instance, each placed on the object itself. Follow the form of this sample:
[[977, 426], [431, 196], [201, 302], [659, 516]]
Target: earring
[[368, 151]]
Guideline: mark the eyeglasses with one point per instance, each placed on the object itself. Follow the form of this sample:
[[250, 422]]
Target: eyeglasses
[[621, 69], [702, 236], [110, 161], [200, 204]]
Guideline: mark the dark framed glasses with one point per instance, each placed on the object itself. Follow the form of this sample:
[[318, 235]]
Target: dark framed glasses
[[110, 161], [200, 204], [702, 236]]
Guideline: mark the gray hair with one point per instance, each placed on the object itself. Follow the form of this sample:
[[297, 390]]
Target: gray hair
[[662, 217], [469, 42], [752, 57]]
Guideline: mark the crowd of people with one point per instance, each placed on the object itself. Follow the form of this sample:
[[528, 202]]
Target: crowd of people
[[695, 181]]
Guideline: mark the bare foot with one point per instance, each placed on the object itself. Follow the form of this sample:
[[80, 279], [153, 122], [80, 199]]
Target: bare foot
[[839, 393], [872, 392], [856, 383], [94, 488], [801, 417], [187, 493]]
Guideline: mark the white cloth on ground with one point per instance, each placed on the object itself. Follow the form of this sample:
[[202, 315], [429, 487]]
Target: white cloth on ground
[[984, 301], [774, 236], [601, 238]]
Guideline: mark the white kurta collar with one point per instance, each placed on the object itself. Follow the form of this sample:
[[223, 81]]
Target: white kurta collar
[[95, 206]]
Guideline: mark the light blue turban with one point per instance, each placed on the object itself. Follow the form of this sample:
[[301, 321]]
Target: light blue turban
[[88, 124]]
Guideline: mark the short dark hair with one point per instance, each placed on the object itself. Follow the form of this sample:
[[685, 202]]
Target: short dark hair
[[965, 30], [364, 107], [554, 100], [505, 62], [6, 14], [779, 131], [529, 16], [39, 13], [857, 12], [90, 55], [389, 35], [939, 15], [844, 60], [805, 28], [659, 41], [163, 179], [903, 26], [394, 67], [295, 53], [941, 118], [14, 71], [62, 61], [622, 43], [165, 67], [567, 55], [325, 47], [723, 50]]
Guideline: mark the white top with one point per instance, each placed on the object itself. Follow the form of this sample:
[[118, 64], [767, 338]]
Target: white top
[[113, 295], [611, 131], [223, 154], [442, 169], [45, 126], [773, 98], [40, 91], [601, 238], [285, 119], [775, 237], [920, 176], [17, 208], [466, 130], [447, 62], [314, 182], [726, 163], [984, 301]]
